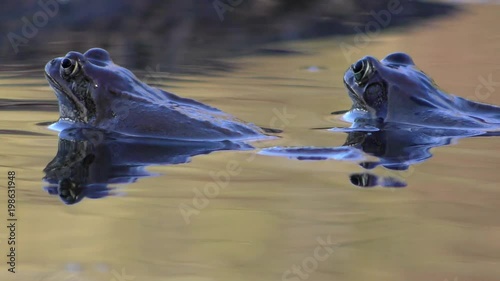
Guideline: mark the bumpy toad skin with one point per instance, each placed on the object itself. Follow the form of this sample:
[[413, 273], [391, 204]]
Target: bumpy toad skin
[[93, 91], [395, 90]]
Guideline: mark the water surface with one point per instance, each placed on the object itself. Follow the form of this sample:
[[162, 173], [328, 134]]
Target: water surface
[[270, 214]]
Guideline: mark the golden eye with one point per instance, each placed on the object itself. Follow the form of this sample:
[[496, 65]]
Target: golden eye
[[70, 67]]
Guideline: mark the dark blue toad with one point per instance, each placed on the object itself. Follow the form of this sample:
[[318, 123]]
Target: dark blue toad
[[94, 92], [398, 115], [394, 90]]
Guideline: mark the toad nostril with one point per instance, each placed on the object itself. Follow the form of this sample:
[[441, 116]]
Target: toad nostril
[[66, 63], [53, 61]]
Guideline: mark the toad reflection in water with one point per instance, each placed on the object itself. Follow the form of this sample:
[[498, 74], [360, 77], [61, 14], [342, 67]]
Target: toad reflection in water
[[398, 115], [89, 160]]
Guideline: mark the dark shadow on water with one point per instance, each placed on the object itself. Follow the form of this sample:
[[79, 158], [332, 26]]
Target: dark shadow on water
[[88, 161]]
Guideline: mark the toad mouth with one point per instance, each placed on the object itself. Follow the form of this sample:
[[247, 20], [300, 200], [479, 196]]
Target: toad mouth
[[77, 105], [358, 103]]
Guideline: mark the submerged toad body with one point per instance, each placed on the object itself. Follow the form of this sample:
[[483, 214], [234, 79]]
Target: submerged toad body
[[394, 90], [93, 91]]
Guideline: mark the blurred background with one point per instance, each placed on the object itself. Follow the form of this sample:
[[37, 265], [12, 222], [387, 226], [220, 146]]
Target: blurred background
[[186, 32]]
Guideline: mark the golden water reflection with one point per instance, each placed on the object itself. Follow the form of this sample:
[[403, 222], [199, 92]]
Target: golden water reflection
[[443, 226]]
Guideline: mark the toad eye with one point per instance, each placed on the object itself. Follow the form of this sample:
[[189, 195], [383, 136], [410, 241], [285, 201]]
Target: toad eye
[[362, 71], [69, 67]]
